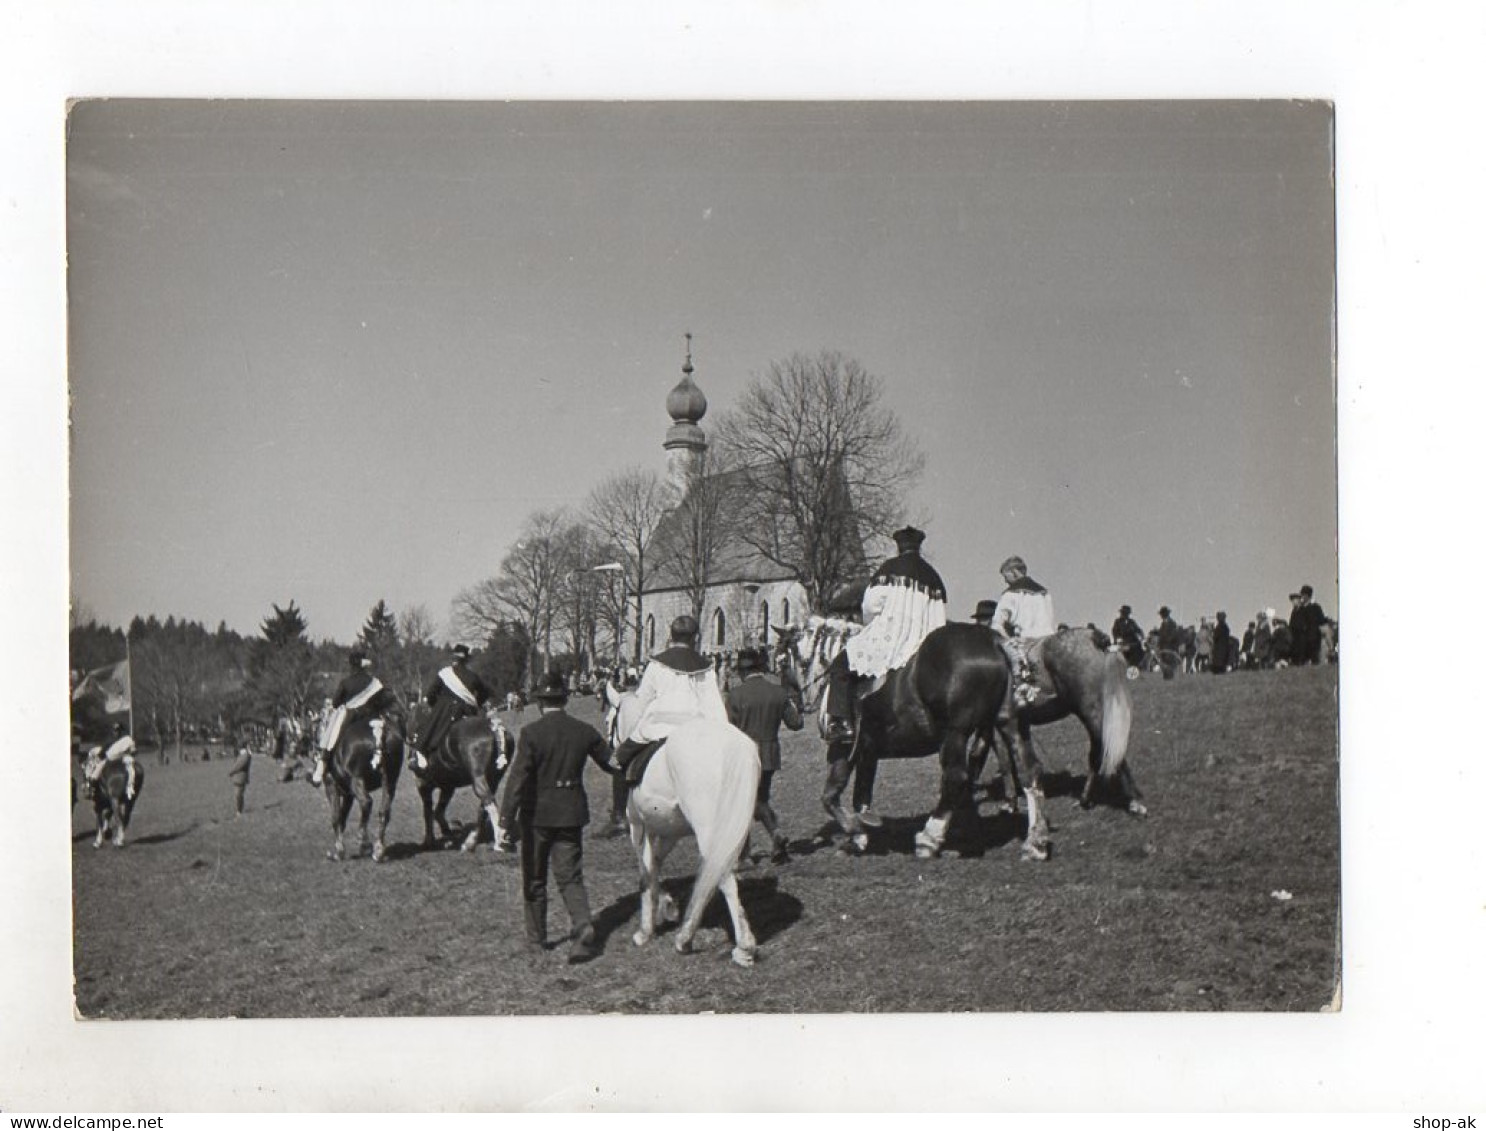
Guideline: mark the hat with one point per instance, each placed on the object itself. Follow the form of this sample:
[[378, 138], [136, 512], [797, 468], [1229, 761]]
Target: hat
[[1306, 591], [1294, 596], [461, 650], [553, 688], [1222, 615], [685, 627], [1124, 610], [1013, 562], [749, 660], [909, 538], [984, 610], [359, 658], [846, 600], [1163, 611]]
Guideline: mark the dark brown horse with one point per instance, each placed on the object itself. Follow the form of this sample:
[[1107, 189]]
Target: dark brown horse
[[112, 804], [474, 753], [349, 777], [1074, 675], [945, 700]]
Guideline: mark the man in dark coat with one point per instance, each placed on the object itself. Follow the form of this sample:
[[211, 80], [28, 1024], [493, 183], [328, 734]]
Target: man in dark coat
[[544, 789], [1222, 645], [1128, 637], [757, 706], [1306, 620], [1168, 644], [238, 774], [455, 693]]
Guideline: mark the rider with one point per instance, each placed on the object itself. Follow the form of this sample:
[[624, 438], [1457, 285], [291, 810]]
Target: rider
[[904, 602], [455, 693], [359, 696], [679, 684], [1024, 612], [121, 749], [1128, 636]]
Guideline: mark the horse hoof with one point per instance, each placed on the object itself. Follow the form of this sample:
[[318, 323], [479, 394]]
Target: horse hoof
[[334, 856], [924, 852], [467, 846], [379, 854], [639, 938], [742, 957], [683, 946], [1034, 852], [1138, 809]]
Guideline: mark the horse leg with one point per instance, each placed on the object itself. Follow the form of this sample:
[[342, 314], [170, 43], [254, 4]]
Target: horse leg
[[121, 822], [441, 813], [485, 800], [1038, 842], [364, 803], [745, 946], [102, 820], [649, 881], [954, 792], [1006, 762], [384, 815], [425, 795], [340, 810]]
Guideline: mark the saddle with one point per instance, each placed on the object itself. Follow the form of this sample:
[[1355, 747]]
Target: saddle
[[634, 769]]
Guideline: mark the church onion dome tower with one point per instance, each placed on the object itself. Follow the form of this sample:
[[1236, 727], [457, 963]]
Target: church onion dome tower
[[686, 443]]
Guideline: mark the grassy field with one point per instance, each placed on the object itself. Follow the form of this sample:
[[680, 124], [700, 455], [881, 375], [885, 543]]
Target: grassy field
[[205, 916]]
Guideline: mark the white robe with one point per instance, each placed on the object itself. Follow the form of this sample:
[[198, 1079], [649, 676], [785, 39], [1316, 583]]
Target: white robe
[[897, 617], [667, 698], [1020, 612]]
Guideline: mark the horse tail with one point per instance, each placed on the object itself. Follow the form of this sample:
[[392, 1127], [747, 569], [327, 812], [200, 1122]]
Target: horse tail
[[715, 768], [1114, 729]]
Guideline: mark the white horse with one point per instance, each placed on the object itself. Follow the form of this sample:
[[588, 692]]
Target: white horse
[[701, 783]]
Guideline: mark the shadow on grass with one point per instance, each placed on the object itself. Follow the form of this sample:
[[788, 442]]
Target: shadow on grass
[[165, 838], [769, 910]]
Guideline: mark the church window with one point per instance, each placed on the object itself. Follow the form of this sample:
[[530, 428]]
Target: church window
[[784, 610], [650, 633], [764, 620], [720, 629]]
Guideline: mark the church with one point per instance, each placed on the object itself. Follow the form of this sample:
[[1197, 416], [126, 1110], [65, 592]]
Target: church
[[746, 594]]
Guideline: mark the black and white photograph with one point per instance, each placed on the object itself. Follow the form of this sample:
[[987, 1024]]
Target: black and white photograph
[[536, 563]]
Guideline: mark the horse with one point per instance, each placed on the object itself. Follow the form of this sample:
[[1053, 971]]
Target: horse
[[944, 700], [349, 777], [1076, 673], [702, 782], [474, 752], [111, 803]]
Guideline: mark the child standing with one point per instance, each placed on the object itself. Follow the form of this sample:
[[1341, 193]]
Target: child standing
[[239, 777]]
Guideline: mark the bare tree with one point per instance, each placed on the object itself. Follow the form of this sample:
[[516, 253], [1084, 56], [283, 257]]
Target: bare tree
[[526, 587], [625, 511], [822, 466]]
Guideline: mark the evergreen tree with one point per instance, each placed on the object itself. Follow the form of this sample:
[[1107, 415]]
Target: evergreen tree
[[379, 635]]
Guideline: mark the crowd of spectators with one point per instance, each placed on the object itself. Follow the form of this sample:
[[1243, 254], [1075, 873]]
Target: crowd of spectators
[[1270, 640]]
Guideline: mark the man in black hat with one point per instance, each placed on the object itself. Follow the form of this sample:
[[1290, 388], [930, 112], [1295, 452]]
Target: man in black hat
[[905, 600], [359, 696], [757, 706], [985, 613], [679, 685], [544, 790], [1168, 643], [1306, 619], [1128, 637], [457, 692]]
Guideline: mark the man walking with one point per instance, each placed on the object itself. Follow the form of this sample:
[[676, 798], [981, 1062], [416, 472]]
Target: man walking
[[544, 788], [757, 706]]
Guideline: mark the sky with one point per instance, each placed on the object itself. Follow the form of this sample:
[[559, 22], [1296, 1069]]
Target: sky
[[336, 352]]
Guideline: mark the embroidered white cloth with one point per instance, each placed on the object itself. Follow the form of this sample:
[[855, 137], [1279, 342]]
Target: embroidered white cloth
[[897, 618]]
